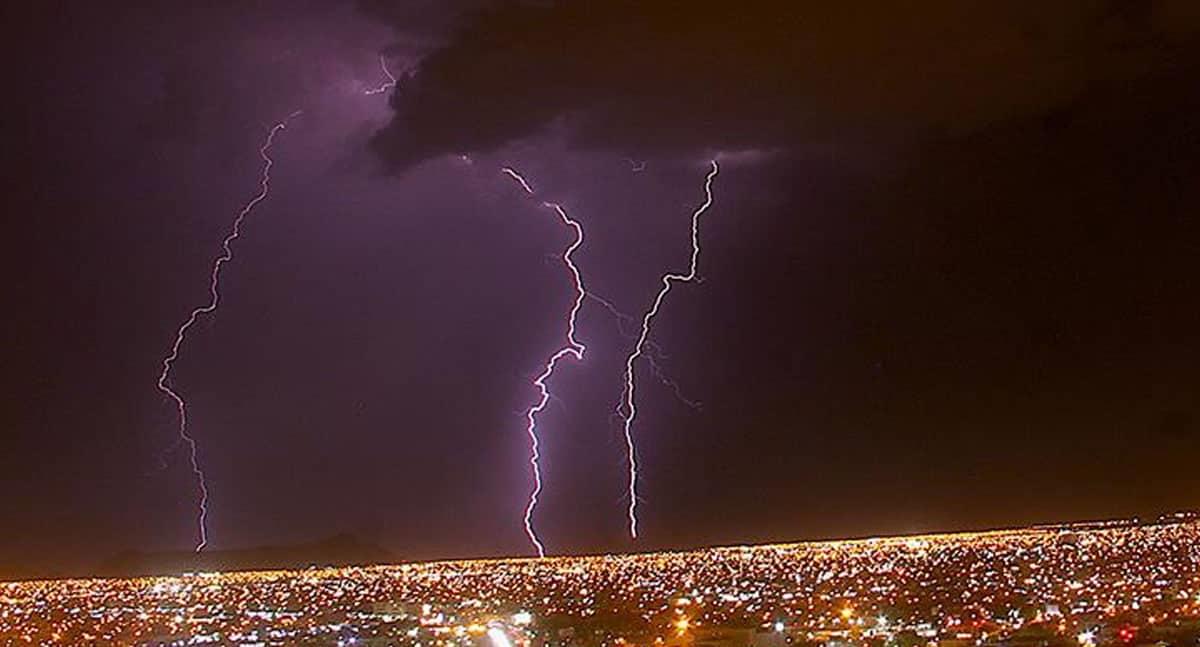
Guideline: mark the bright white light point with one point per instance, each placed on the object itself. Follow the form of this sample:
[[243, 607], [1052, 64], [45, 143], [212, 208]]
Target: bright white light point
[[1087, 638], [499, 638], [779, 626], [522, 618]]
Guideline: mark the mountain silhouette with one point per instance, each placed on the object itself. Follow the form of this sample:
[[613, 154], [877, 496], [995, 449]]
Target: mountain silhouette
[[338, 550]]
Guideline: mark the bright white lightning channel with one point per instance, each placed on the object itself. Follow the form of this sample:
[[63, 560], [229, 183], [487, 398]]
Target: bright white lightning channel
[[214, 283], [630, 408], [573, 348]]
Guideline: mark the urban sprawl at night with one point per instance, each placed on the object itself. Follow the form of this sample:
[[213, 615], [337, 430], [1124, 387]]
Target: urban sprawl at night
[[1103, 583]]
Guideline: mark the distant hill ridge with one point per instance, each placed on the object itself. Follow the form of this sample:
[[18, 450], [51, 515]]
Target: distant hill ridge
[[341, 550], [348, 550]]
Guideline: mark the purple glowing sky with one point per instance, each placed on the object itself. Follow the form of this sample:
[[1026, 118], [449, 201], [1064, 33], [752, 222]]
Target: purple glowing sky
[[921, 274]]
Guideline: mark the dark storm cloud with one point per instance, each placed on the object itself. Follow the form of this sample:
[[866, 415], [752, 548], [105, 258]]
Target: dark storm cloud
[[420, 25], [669, 78]]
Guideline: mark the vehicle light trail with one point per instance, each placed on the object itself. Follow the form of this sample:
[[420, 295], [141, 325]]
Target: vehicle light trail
[[214, 299], [630, 409], [573, 348]]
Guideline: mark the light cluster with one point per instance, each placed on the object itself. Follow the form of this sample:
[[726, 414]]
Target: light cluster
[[1110, 583]]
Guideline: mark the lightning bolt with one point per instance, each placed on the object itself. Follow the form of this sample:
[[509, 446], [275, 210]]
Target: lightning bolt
[[622, 318], [653, 355], [630, 410], [573, 348], [214, 299], [389, 84]]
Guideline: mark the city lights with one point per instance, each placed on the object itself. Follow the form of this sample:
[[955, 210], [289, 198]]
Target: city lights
[[1095, 584]]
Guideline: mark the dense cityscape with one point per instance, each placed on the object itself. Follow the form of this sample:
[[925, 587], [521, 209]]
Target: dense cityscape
[[1106, 583]]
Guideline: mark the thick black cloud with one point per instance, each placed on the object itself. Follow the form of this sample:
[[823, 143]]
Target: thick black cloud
[[420, 25], [667, 77]]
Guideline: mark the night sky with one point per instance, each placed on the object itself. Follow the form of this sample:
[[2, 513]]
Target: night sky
[[949, 279]]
